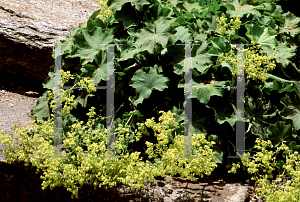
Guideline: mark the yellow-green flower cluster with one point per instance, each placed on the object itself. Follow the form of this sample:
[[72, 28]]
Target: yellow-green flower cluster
[[84, 83], [271, 192], [105, 10], [256, 65], [173, 165], [234, 24]]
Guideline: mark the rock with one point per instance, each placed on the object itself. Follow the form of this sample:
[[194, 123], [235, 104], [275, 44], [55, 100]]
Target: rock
[[30, 28], [170, 189]]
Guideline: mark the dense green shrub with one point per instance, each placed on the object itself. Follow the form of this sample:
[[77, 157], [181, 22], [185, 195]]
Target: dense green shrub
[[149, 59], [150, 65]]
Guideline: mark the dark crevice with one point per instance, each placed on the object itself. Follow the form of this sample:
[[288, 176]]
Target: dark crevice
[[20, 84]]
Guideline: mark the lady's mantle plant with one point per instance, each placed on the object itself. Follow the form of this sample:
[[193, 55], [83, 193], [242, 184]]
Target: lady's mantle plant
[[149, 58], [84, 146], [150, 64], [85, 166]]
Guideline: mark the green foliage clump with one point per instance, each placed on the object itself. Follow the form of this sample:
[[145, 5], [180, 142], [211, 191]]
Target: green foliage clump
[[149, 58], [83, 146], [149, 63], [206, 3]]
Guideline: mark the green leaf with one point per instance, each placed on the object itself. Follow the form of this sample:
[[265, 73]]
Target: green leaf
[[157, 32], [290, 20], [68, 42], [262, 36], [41, 110], [99, 72], [127, 51], [217, 148], [259, 113], [144, 83], [179, 114], [278, 86], [291, 110], [174, 2], [272, 77], [117, 5], [200, 58], [90, 42], [182, 34], [219, 45], [195, 29], [244, 10], [283, 53], [128, 16], [190, 6], [293, 146], [225, 113], [94, 15], [198, 122], [82, 98], [209, 23], [202, 93], [264, 20], [279, 165], [280, 132]]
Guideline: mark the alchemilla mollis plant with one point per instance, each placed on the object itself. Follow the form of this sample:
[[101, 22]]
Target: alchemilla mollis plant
[[149, 58], [149, 63], [84, 146]]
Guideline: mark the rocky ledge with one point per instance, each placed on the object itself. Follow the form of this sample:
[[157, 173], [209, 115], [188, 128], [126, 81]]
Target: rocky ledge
[[30, 28]]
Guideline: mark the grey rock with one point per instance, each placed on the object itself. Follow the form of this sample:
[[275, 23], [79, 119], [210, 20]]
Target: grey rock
[[171, 189], [30, 28]]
